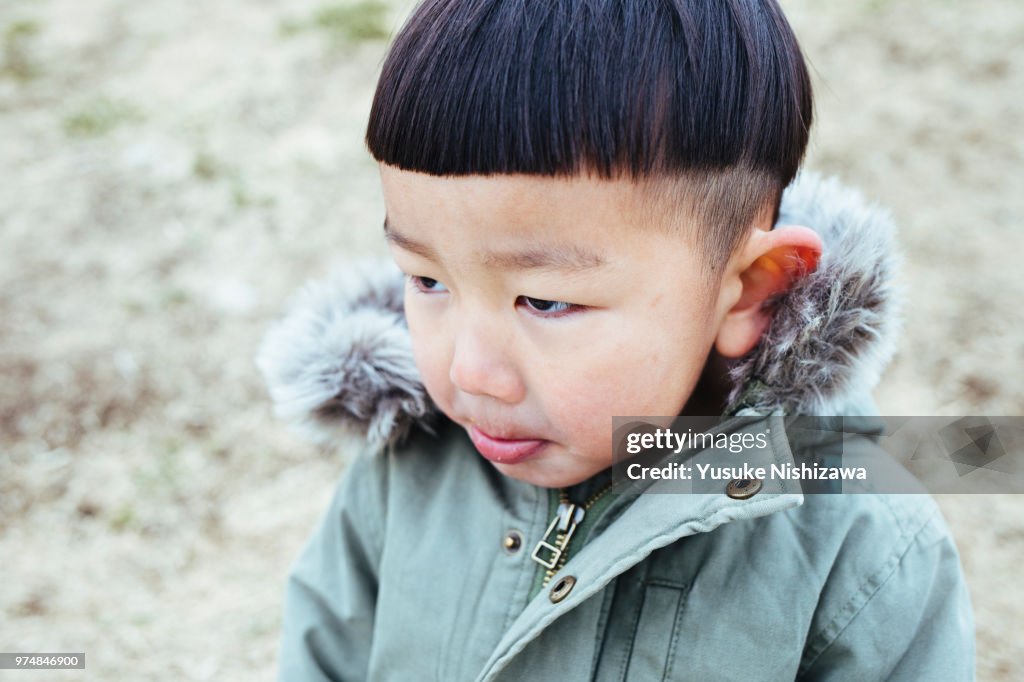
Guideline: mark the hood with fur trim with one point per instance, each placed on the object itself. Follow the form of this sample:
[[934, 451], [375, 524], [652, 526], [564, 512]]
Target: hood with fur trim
[[340, 361]]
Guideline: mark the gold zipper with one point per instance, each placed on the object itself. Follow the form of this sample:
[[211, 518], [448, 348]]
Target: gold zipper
[[567, 518]]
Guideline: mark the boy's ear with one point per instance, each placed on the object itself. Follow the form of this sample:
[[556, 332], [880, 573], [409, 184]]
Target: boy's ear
[[775, 260]]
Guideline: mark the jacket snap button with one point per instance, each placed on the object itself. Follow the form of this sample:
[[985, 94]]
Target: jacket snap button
[[512, 541], [742, 488], [562, 589]]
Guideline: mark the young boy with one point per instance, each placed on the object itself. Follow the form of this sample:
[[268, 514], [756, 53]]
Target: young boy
[[586, 199]]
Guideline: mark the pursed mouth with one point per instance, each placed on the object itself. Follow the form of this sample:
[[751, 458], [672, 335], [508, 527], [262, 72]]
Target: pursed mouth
[[505, 450]]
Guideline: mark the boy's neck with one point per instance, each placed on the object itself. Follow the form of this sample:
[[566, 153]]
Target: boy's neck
[[709, 395]]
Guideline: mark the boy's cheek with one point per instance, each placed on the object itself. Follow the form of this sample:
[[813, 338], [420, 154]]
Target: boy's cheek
[[428, 351], [638, 386]]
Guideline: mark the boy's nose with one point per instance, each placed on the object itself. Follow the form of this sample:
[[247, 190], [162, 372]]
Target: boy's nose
[[480, 367]]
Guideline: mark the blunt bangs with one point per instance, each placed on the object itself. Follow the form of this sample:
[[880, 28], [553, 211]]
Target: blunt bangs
[[613, 87]]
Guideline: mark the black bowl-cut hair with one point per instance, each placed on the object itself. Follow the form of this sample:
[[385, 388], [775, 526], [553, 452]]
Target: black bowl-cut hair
[[713, 93]]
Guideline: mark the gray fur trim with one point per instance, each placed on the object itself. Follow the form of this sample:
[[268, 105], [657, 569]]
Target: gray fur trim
[[341, 361], [833, 333]]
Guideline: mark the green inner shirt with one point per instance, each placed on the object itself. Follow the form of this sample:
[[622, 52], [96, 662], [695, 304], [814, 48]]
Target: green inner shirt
[[578, 494]]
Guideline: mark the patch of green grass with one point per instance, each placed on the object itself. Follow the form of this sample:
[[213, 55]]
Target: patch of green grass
[[99, 117], [243, 197], [353, 23], [132, 306], [174, 297], [123, 519], [345, 23], [16, 45], [206, 166], [161, 476]]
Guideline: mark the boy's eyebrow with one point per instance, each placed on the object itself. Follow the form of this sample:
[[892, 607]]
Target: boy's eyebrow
[[406, 243], [569, 257]]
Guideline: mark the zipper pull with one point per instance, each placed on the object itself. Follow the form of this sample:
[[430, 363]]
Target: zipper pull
[[566, 519], [569, 516]]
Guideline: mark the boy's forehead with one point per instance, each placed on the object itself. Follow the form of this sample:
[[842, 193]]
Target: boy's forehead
[[531, 199]]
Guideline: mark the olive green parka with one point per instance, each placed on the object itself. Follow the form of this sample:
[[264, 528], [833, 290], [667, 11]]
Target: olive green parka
[[420, 569]]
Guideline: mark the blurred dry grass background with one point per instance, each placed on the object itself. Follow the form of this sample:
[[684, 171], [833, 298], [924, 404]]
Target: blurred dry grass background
[[173, 171]]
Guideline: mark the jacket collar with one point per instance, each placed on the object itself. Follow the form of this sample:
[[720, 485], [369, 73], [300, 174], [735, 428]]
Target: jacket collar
[[340, 362]]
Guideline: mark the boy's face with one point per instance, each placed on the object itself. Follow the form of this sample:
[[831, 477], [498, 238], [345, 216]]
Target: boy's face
[[539, 308]]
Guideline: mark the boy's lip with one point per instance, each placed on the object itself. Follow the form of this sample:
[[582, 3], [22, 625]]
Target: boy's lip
[[504, 450]]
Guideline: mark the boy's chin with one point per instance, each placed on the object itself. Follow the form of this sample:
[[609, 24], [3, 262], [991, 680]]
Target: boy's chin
[[542, 474]]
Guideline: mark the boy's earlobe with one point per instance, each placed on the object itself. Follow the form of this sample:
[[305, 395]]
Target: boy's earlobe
[[782, 256]]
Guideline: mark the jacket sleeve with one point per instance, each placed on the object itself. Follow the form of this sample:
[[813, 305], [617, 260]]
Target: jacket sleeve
[[911, 621], [331, 590]]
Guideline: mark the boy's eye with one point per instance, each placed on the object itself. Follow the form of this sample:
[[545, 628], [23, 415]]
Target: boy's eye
[[426, 284], [544, 306]]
